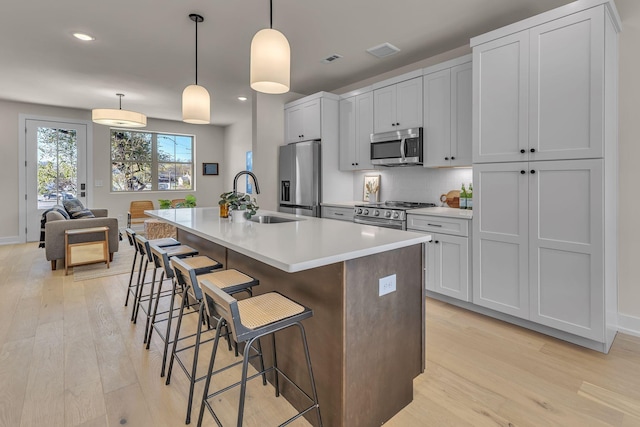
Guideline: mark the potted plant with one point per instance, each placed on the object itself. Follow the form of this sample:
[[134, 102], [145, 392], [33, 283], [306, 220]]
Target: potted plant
[[241, 206], [189, 202], [164, 203]]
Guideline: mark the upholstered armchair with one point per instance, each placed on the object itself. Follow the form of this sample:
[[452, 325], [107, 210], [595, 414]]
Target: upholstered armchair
[[56, 225]]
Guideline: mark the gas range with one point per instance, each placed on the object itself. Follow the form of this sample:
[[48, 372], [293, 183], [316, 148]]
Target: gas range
[[390, 214]]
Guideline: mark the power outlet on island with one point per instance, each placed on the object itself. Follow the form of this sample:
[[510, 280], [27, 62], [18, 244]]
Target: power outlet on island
[[387, 285]]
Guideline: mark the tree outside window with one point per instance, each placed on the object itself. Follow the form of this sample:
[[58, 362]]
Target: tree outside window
[[144, 161]]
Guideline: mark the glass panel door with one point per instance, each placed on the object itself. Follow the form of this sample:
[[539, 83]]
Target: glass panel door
[[56, 168]]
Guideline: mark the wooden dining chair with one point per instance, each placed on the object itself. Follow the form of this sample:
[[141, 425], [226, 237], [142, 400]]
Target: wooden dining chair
[[136, 213]]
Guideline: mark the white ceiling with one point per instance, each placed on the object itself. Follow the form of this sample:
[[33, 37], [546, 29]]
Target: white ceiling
[[145, 48]]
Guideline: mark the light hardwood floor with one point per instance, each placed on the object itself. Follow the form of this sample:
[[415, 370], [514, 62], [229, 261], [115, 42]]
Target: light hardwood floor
[[69, 356]]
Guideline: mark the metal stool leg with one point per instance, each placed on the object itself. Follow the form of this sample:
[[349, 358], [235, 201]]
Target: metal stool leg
[[314, 392], [165, 351], [194, 366], [133, 268], [139, 288], [216, 341], [177, 335], [243, 383], [151, 316]]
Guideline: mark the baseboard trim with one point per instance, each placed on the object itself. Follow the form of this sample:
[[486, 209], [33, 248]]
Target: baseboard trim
[[11, 240], [629, 325]]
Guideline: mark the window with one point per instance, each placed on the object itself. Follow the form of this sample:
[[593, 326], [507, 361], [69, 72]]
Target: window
[[142, 161]]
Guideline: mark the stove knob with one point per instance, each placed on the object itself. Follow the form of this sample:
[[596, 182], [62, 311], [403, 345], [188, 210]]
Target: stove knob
[[387, 214], [377, 212], [359, 211], [396, 215], [366, 211]]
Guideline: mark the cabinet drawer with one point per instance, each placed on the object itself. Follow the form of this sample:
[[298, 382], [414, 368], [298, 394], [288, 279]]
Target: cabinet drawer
[[342, 214], [438, 224]]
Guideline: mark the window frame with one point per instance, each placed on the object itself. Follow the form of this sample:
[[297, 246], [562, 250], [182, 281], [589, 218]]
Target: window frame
[[154, 162]]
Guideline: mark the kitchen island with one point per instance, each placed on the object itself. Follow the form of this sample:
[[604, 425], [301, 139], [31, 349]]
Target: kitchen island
[[366, 349]]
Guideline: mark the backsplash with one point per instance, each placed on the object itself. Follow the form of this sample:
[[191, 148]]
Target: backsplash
[[414, 184]]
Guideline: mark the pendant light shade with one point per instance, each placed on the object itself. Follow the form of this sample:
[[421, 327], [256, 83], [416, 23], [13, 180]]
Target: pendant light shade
[[270, 60], [119, 117], [196, 103]]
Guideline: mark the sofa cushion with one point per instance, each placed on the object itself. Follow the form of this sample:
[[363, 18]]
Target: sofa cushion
[[76, 209], [56, 216]]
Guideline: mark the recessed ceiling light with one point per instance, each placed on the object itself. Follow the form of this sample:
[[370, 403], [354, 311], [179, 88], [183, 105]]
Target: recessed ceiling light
[[242, 98], [83, 37]]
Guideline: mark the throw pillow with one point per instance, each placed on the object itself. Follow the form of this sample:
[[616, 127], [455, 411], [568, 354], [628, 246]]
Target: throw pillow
[[76, 209]]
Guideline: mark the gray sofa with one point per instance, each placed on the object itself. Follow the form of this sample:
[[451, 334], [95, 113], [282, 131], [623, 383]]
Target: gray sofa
[[56, 225]]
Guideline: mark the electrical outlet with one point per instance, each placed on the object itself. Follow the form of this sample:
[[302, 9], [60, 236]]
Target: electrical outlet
[[387, 285]]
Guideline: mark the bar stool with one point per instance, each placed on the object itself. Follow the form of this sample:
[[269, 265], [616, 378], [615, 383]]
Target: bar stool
[[201, 264], [230, 282], [145, 248], [251, 319], [131, 234]]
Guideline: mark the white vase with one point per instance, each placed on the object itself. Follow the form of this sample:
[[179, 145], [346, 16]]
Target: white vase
[[237, 216], [372, 198]]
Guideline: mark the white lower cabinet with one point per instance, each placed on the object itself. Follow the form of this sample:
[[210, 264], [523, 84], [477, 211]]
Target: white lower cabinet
[[448, 256], [539, 243]]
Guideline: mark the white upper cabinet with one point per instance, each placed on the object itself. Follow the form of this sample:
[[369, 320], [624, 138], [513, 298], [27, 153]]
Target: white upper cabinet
[[398, 106], [501, 91], [566, 99], [447, 115], [303, 121], [356, 127], [539, 92]]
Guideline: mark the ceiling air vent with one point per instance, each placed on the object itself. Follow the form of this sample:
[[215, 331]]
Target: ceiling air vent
[[331, 58], [385, 49]]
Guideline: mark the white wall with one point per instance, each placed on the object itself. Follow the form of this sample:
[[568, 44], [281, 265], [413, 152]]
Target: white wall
[[209, 148], [237, 141]]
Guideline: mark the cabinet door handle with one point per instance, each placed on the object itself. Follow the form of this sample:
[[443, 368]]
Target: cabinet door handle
[[397, 124], [533, 150], [434, 225], [446, 158], [338, 214], [436, 242], [523, 151], [453, 158], [356, 164], [523, 172], [533, 171]]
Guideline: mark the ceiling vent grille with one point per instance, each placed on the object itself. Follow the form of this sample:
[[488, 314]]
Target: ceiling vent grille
[[331, 58], [383, 50]]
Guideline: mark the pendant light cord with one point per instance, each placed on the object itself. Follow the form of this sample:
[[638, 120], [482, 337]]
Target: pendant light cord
[[196, 52], [271, 14]]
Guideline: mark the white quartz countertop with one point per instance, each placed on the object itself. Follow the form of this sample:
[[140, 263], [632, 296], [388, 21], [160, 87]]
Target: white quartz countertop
[[291, 246], [346, 204], [448, 212]]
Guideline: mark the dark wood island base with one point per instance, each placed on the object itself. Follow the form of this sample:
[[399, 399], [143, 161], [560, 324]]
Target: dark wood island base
[[365, 349]]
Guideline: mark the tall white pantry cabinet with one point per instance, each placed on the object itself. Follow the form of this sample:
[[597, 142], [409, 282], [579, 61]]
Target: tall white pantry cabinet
[[545, 172]]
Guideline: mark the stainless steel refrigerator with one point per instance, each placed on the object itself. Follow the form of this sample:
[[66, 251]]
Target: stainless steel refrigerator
[[299, 172]]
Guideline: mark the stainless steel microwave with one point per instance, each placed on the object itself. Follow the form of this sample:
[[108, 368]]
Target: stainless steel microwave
[[397, 148]]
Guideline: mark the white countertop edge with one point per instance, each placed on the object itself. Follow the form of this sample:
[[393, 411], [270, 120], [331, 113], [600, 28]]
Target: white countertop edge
[[346, 204], [419, 238], [444, 212]]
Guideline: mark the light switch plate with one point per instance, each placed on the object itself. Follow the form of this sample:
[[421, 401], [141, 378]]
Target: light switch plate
[[387, 285]]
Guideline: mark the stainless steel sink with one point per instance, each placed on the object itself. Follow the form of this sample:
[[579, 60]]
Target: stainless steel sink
[[270, 219]]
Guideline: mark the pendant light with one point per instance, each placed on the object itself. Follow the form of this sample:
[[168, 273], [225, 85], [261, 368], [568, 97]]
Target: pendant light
[[119, 117], [270, 60], [196, 104]]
